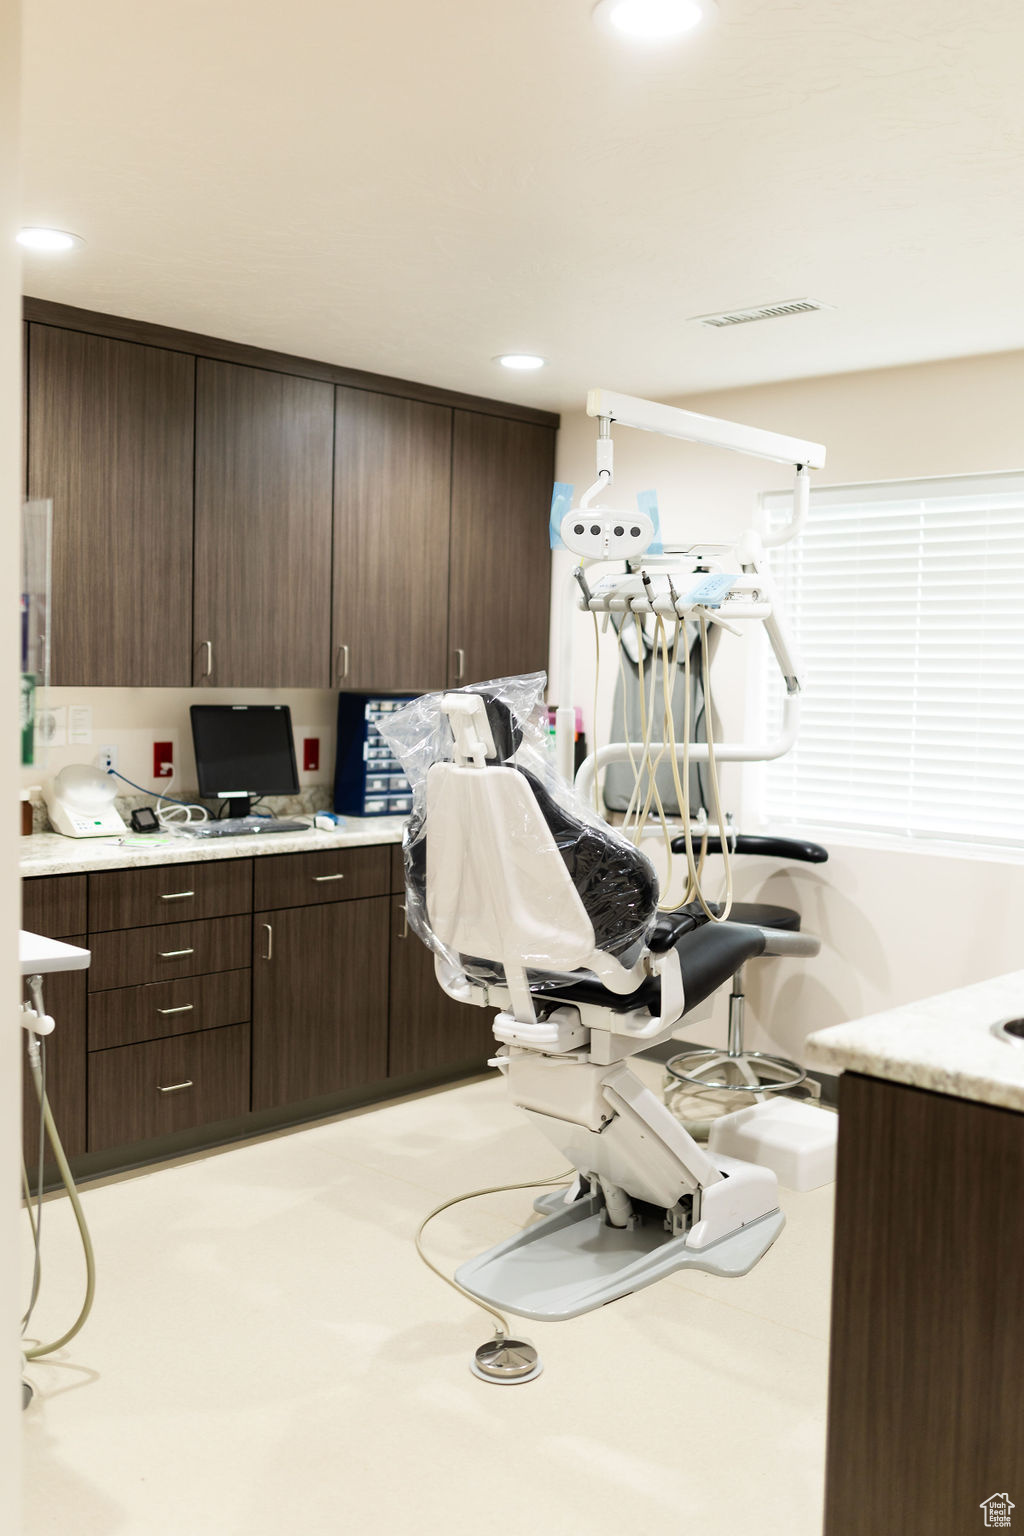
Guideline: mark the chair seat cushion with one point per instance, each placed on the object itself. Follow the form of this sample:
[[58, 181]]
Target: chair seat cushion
[[709, 954]]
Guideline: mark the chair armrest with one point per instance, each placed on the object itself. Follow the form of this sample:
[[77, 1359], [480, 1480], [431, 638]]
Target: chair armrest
[[796, 848], [783, 941]]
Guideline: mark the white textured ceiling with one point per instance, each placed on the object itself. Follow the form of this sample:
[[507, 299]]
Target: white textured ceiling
[[411, 186]]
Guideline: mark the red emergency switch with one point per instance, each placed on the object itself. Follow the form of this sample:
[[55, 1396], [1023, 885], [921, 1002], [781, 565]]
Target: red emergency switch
[[163, 759], [310, 754]]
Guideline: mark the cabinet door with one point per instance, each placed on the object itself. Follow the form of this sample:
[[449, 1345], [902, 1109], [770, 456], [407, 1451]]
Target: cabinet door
[[502, 475], [64, 996], [320, 1005], [264, 451], [392, 494], [110, 440], [428, 1031]]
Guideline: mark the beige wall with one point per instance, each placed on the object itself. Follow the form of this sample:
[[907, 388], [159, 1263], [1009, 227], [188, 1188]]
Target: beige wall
[[133, 719], [10, 1041], [896, 924]]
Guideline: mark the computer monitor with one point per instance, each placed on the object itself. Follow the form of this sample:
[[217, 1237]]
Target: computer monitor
[[244, 751]]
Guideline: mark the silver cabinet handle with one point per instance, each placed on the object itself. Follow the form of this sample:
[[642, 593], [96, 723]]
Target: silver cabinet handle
[[405, 921], [270, 942], [177, 896], [342, 666], [172, 954], [185, 1008], [208, 644], [321, 878], [174, 1087], [460, 669]]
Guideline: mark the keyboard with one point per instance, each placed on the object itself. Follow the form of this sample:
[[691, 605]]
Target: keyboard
[[243, 826]]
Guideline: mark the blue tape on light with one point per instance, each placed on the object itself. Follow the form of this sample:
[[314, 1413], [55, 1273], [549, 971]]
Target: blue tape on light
[[561, 501], [647, 501]]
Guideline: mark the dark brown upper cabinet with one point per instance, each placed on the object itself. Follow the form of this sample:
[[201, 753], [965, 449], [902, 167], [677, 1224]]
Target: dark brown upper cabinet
[[262, 595], [500, 565], [392, 495], [110, 441]]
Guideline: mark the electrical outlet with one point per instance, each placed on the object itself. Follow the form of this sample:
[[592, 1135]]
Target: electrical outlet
[[311, 754], [106, 757], [163, 759]]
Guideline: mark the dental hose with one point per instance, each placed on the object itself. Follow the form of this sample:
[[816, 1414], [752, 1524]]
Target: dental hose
[[503, 1330], [46, 1116], [722, 916]]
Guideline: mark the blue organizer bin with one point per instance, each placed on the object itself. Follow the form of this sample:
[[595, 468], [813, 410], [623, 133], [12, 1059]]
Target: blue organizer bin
[[368, 781]]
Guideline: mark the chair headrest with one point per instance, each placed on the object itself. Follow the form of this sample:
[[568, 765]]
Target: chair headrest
[[483, 726], [506, 731]]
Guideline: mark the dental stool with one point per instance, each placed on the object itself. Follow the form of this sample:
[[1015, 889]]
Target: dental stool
[[553, 920], [737, 1070]]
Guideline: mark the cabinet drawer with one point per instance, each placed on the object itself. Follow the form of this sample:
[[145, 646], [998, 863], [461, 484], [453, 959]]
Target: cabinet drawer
[[300, 879], [138, 1091], [169, 951], [171, 893], [128, 1015], [54, 905]]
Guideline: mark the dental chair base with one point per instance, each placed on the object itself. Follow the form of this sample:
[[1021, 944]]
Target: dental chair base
[[647, 1200], [573, 1261]]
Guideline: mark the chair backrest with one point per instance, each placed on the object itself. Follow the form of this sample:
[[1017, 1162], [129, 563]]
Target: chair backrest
[[497, 884]]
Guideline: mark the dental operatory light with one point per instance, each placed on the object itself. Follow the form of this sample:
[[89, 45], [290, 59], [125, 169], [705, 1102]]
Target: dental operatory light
[[651, 20], [521, 362], [50, 241]]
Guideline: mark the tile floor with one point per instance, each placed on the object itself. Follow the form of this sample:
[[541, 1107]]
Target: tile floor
[[268, 1357]]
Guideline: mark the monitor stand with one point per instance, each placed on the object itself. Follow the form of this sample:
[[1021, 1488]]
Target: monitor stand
[[238, 805]]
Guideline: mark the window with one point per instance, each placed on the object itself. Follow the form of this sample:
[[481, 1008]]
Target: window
[[907, 601]]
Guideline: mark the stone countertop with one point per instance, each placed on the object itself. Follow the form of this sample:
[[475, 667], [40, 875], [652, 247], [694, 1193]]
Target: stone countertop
[[48, 853], [943, 1043]]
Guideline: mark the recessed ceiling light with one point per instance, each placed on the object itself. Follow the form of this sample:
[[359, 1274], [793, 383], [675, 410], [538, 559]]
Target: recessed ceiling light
[[651, 20], [37, 239], [523, 362]]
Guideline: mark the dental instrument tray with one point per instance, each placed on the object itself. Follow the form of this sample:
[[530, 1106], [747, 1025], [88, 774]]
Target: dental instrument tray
[[675, 593]]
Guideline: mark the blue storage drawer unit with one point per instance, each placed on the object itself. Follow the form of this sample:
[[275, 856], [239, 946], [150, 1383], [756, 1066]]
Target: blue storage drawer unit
[[368, 781]]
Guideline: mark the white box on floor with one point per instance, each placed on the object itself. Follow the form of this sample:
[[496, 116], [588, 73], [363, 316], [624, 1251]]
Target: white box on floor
[[796, 1141]]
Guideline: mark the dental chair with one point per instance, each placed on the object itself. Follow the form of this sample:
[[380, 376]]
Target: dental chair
[[553, 920]]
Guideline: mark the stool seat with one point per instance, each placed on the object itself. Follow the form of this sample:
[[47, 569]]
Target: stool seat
[[764, 915]]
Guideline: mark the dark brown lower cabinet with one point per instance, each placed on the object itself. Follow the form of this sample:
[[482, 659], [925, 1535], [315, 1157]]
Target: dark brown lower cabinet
[[155, 1037], [64, 995], [139, 1091], [429, 1030], [926, 1380], [320, 1000]]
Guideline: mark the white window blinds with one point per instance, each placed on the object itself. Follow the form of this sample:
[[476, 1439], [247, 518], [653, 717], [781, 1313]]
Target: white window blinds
[[907, 601]]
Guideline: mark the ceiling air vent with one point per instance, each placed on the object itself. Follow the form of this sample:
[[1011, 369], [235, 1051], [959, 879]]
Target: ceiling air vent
[[763, 312]]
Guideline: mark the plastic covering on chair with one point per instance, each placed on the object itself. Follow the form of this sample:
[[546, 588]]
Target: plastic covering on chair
[[612, 884]]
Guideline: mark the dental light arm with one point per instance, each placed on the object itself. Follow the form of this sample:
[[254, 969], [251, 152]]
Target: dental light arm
[[673, 421]]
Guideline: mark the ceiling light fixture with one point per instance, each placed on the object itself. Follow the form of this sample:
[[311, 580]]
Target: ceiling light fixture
[[522, 362], [651, 20], [50, 240]]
